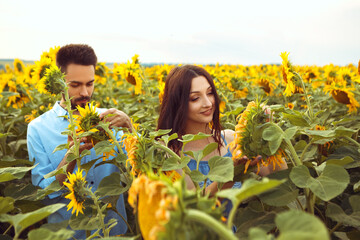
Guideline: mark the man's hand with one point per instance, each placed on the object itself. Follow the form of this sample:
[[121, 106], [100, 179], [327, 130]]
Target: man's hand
[[118, 118]]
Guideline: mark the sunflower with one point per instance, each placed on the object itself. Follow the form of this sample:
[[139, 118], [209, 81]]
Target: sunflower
[[21, 96], [40, 69], [131, 145], [323, 148], [290, 105], [51, 54], [343, 94], [248, 137], [76, 187], [53, 81], [289, 76], [266, 85], [101, 71], [161, 87], [30, 117], [150, 198], [88, 121], [19, 66]]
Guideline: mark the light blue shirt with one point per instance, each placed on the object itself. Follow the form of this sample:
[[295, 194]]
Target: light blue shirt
[[43, 136]]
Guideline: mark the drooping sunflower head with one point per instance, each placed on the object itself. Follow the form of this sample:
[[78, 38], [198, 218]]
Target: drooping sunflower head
[[245, 134], [291, 78], [248, 140], [153, 202], [77, 195], [53, 82], [343, 94]]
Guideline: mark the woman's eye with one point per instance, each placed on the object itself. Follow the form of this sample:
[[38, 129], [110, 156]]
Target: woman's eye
[[194, 99]]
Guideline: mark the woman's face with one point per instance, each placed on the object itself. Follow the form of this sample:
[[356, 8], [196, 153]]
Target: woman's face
[[201, 102]]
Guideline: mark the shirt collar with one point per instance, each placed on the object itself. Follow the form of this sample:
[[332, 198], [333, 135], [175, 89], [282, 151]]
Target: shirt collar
[[59, 110]]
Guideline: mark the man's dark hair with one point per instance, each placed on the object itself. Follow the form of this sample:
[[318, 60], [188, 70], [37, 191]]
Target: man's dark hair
[[81, 54]]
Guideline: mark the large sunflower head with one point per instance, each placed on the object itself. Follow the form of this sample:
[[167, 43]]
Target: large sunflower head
[[88, 121], [153, 202], [77, 195], [248, 139], [53, 82]]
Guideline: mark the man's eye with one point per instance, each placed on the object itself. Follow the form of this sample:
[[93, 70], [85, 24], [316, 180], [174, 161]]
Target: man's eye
[[90, 84], [74, 85]]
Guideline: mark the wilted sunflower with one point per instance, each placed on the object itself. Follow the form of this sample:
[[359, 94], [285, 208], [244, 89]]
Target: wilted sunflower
[[289, 76], [248, 139], [77, 194], [53, 81], [150, 198], [88, 121]]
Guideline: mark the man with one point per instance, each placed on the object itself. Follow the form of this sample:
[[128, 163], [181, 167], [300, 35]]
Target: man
[[78, 62]]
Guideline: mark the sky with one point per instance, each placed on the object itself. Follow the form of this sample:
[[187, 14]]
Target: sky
[[315, 32]]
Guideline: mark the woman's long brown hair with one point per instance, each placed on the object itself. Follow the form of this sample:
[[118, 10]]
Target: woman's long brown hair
[[175, 104]]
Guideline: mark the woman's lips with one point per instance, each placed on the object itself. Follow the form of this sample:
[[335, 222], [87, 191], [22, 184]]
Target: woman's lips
[[207, 112]]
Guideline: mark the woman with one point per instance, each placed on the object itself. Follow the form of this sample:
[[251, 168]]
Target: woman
[[191, 105]]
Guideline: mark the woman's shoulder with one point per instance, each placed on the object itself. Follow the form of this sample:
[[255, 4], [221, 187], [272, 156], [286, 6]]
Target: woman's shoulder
[[229, 135]]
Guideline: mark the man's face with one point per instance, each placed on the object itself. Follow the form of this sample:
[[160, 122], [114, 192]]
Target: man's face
[[80, 80]]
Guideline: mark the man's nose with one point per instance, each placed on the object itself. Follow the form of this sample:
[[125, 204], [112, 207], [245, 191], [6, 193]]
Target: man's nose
[[83, 91]]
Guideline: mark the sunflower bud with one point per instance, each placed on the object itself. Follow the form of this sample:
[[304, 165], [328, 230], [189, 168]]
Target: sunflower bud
[[53, 82]]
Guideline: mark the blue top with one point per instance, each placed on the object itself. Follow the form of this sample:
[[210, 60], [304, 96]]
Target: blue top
[[204, 167], [43, 136]]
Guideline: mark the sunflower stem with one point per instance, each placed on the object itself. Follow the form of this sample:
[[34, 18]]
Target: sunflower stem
[[200, 217], [72, 127], [311, 113], [352, 141], [291, 148], [100, 214], [304, 151]]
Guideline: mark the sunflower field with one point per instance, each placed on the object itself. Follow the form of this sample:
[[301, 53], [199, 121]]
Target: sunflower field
[[313, 125]]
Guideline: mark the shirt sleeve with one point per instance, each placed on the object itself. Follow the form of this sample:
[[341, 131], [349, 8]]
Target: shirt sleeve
[[38, 154]]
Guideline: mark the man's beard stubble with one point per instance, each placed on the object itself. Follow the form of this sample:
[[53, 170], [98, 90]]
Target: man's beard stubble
[[74, 104]]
